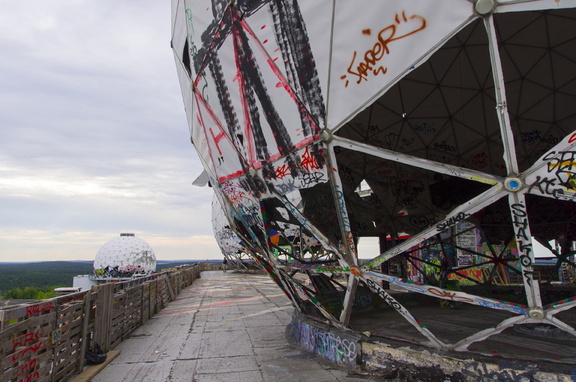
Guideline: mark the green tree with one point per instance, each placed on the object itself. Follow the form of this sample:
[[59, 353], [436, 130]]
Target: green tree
[[15, 293], [30, 293]]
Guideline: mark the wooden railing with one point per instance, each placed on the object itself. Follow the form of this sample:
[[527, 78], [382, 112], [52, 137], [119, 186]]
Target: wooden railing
[[47, 341]]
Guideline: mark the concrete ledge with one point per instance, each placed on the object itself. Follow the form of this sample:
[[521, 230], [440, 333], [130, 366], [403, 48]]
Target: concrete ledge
[[343, 348], [427, 364], [91, 371], [408, 362]]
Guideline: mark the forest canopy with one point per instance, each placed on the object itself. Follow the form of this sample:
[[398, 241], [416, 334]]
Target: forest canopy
[[38, 279]]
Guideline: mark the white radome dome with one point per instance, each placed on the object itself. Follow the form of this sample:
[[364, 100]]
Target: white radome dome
[[126, 252]]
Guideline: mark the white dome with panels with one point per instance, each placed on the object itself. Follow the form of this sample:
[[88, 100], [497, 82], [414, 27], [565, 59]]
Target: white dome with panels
[[126, 251]]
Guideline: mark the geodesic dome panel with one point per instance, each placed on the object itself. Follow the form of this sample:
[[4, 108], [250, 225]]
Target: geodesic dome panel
[[446, 129], [127, 253], [229, 243]]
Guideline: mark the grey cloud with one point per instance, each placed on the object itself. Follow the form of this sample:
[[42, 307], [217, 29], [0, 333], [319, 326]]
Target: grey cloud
[[93, 135]]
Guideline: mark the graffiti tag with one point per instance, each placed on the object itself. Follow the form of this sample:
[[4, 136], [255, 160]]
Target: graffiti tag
[[371, 58], [451, 221]]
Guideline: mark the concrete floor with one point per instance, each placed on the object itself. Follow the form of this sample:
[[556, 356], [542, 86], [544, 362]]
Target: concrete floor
[[225, 327], [452, 325]]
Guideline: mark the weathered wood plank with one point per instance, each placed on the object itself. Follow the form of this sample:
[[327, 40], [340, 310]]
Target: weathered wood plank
[[51, 336]]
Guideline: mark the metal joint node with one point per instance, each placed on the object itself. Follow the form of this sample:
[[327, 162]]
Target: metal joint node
[[537, 313], [513, 184], [485, 7], [326, 136]]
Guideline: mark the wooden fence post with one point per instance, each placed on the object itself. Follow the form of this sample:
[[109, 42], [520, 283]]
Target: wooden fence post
[[142, 304], [103, 317], [170, 289], [87, 311], [52, 344]]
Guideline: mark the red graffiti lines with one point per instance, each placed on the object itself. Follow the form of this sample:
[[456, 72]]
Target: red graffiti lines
[[236, 197], [402, 27], [217, 139], [31, 377], [448, 295], [30, 343], [33, 349], [282, 171], [27, 367], [39, 308], [27, 338], [308, 161]]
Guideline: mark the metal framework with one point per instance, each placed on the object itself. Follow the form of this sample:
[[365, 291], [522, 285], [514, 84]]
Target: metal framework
[[445, 130]]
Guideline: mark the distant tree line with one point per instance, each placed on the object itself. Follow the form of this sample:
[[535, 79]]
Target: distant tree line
[[40, 279], [43, 276], [30, 293]]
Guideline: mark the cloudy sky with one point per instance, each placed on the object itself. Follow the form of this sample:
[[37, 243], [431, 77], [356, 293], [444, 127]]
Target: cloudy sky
[[93, 135]]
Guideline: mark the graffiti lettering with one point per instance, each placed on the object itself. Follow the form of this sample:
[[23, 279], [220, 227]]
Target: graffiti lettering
[[407, 203], [334, 270], [283, 171], [336, 347], [39, 308], [444, 147], [27, 338], [551, 140], [416, 287], [309, 162], [455, 172], [311, 178], [525, 261], [528, 275], [547, 186], [284, 188], [407, 142], [563, 164], [391, 139], [236, 197], [500, 305], [448, 295], [451, 221], [235, 193], [420, 222], [424, 128], [26, 367], [520, 221], [383, 295], [479, 160], [412, 286], [531, 136], [31, 377], [372, 56], [30, 349], [342, 207], [250, 214]]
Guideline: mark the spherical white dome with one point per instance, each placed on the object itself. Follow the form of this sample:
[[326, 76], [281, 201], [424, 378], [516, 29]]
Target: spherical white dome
[[127, 253]]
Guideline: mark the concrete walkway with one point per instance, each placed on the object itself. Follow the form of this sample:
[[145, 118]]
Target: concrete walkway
[[225, 327]]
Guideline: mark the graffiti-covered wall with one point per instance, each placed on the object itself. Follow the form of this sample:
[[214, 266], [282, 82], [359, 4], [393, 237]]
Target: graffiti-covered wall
[[445, 129]]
